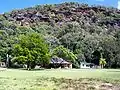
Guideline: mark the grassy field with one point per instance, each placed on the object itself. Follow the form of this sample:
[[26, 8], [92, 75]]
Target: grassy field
[[57, 79]]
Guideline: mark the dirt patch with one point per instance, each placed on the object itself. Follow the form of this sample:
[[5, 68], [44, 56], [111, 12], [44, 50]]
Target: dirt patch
[[84, 84]]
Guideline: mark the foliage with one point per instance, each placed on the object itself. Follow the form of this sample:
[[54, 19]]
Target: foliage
[[87, 31], [64, 53], [31, 49]]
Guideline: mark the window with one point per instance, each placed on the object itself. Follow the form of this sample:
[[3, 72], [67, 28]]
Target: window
[[87, 65]]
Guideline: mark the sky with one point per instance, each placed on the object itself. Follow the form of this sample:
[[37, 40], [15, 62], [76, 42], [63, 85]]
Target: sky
[[118, 4], [9, 5]]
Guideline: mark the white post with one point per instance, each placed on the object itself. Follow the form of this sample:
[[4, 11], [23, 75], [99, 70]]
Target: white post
[[7, 61]]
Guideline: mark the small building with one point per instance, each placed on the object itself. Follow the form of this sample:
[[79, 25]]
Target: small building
[[85, 65], [57, 62]]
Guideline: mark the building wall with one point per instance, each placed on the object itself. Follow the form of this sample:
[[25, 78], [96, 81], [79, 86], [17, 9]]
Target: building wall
[[83, 65]]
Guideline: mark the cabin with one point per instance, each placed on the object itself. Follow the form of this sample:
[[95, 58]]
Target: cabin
[[57, 62], [85, 65]]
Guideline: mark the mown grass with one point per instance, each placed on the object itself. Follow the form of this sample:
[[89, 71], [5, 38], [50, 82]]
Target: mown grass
[[56, 79]]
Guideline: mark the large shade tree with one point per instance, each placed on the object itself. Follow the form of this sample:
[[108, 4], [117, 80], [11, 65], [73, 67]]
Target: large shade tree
[[31, 50]]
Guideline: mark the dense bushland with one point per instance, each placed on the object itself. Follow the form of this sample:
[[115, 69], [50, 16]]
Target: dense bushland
[[88, 32]]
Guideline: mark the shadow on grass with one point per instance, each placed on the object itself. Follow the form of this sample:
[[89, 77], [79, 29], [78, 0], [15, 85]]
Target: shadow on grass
[[27, 69], [40, 69], [113, 71]]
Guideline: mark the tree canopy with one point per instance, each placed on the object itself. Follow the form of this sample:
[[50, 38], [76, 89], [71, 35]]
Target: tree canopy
[[31, 49]]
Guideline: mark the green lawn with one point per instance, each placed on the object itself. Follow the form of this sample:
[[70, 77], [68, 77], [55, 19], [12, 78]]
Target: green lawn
[[54, 79]]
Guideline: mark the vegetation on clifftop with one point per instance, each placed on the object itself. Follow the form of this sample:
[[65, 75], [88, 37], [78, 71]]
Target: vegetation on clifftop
[[87, 31]]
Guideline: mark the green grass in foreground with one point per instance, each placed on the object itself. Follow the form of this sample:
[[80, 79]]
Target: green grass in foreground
[[55, 79]]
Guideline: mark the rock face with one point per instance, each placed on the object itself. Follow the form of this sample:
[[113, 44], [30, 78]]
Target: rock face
[[66, 12]]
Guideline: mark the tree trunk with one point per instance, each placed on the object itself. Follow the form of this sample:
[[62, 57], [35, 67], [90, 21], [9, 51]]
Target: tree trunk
[[101, 66], [28, 66]]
